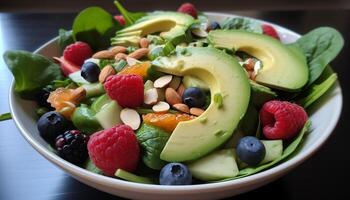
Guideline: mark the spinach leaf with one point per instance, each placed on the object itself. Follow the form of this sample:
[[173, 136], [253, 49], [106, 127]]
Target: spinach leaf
[[242, 24], [320, 47], [130, 17], [31, 72], [95, 26], [5, 116], [152, 141], [317, 89], [291, 148], [65, 38]]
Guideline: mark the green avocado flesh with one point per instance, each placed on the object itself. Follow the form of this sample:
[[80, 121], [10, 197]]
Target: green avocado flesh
[[193, 139], [169, 24], [283, 67]]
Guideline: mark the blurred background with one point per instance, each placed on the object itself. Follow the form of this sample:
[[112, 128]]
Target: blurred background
[[222, 5]]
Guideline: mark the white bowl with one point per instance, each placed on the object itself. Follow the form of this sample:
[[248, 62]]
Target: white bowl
[[324, 117]]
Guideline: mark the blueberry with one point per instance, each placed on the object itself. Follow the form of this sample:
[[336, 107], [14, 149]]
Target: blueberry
[[175, 174], [250, 150], [52, 124], [90, 72], [194, 97], [42, 96], [214, 25]]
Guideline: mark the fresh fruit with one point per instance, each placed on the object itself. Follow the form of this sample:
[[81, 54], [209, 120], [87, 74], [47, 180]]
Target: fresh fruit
[[52, 124], [188, 8], [282, 119], [127, 90], [90, 72], [77, 53], [194, 97], [114, 148], [250, 150], [72, 146], [214, 25], [166, 121], [138, 69], [66, 66], [175, 174], [120, 19], [269, 30], [42, 96]]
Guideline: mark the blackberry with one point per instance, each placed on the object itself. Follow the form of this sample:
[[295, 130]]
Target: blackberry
[[42, 96], [72, 146]]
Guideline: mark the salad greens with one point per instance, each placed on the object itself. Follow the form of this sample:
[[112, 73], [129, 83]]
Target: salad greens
[[31, 71], [65, 38], [130, 17], [5, 116], [95, 26], [241, 23], [89, 165], [320, 47]]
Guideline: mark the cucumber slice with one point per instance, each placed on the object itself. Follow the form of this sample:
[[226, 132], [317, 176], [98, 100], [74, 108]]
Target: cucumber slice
[[77, 78], [274, 150], [93, 89], [109, 115]]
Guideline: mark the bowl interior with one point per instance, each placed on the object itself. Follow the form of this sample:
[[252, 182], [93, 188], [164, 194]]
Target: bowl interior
[[324, 116]]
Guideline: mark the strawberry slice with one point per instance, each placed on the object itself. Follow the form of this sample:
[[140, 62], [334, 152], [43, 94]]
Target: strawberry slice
[[66, 66]]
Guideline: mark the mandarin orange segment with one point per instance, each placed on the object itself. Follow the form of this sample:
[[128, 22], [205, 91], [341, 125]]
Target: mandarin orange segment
[[166, 121], [138, 69]]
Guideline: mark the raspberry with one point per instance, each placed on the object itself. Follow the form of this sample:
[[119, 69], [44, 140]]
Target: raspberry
[[269, 30], [120, 19], [114, 148], [282, 119], [127, 90], [77, 53], [71, 146], [188, 8]]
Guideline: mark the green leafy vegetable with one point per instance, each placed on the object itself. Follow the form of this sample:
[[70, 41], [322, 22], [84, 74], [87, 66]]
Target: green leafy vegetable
[[317, 89], [103, 62], [291, 148], [89, 165], [40, 111], [65, 38], [95, 26], [130, 17], [5, 116], [152, 141], [132, 177], [61, 83], [31, 72], [320, 47], [242, 24]]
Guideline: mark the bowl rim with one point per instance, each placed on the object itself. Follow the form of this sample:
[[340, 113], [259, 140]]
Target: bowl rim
[[161, 189]]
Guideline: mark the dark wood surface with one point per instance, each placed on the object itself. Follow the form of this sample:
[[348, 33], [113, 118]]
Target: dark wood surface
[[25, 175]]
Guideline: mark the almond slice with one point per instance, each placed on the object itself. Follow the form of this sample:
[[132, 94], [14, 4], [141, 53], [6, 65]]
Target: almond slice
[[131, 61], [161, 107], [175, 82], [196, 111], [139, 53], [120, 56], [199, 32], [105, 72], [144, 43], [172, 97], [162, 81], [182, 107], [181, 89], [131, 118], [105, 54], [151, 96], [118, 49]]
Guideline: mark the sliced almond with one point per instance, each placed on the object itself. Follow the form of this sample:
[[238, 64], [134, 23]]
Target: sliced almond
[[181, 90], [182, 107], [144, 43], [105, 72], [120, 56], [175, 82], [196, 111], [118, 49], [131, 61], [172, 97], [161, 107], [131, 118], [139, 53], [200, 32], [151, 96], [162, 81], [105, 54]]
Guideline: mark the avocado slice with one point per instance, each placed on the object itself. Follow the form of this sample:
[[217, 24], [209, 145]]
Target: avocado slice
[[284, 67], [215, 166], [193, 139], [170, 25]]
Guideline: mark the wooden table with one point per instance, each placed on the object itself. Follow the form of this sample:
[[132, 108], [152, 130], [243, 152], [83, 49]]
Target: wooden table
[[25, 175]]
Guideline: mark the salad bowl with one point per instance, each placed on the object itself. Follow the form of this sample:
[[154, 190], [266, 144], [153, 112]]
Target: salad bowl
[[324, 116]]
